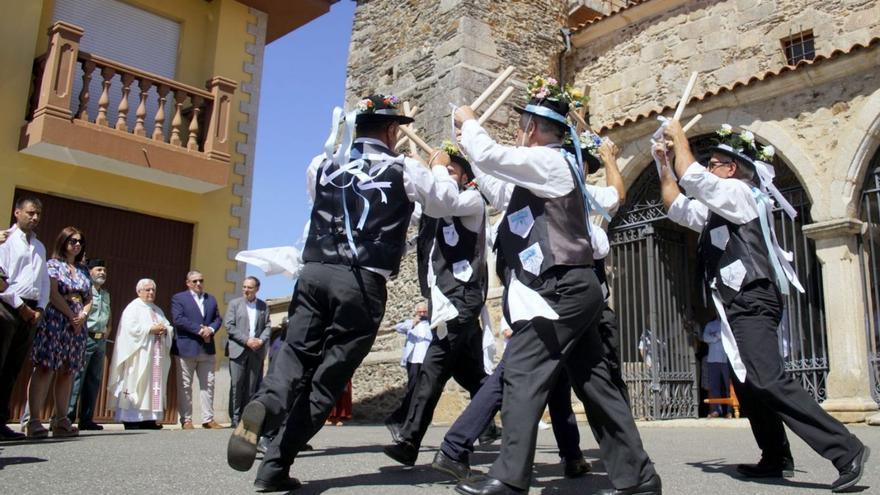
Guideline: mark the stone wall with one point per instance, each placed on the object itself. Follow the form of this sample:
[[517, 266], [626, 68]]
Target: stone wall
[[646, 64]]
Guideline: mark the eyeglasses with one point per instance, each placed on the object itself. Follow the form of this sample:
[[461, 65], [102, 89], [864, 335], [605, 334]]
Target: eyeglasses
[[75, 241], [715, 163], [198, 281]]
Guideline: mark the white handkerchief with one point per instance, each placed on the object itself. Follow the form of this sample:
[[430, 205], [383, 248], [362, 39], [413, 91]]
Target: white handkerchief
[[733, 274], [720, 236], [462, 270], [521, 222], [450, 235], [442, 332], [531, 259], [526, 304], [442, 310]]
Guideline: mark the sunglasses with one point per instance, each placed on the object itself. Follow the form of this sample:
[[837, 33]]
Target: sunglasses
[[75, 241]]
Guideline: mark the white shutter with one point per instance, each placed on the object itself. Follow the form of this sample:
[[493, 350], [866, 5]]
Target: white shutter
[[129, 35]]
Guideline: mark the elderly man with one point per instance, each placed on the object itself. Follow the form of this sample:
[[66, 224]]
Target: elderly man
[[247, 323], [363, 196], [196, 318], [23, 300], [746, 273], [552, 298], [418, 338], [87, 381]]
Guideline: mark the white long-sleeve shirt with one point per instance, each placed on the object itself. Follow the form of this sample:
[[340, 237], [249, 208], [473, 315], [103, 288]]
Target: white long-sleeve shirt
[[23, 258], [730, 198], [418, 338]]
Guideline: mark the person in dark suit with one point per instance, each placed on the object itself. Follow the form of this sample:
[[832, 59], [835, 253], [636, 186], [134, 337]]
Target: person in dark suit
[[247, 323], [196, 318]]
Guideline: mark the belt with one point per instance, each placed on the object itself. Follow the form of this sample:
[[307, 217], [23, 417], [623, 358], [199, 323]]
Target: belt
[[97, 335]]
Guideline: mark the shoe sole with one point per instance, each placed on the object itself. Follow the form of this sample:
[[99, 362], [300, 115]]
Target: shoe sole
[[846, 486], [242, 448], [406, 462], [268, 488]]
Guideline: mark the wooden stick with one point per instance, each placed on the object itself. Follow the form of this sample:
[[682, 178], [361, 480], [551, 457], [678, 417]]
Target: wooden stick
[[409, 112], [495, 105], [582, 124], [685, 96], [416, 139], [696, 118], [492, 87]]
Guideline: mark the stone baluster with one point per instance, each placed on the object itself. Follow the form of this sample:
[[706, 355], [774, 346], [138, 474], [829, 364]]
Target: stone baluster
[[122, 111], [56, 85], [159, 120], [177, 120], [107, 73], [141, 113], [82, 112], [192, 143], [217, 138]]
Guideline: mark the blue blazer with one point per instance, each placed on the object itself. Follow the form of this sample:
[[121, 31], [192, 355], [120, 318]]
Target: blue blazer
[[187, 319]]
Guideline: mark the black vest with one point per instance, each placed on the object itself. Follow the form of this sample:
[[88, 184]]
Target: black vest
[[381, 242], [469, 248], [745, 243], [559, 230]]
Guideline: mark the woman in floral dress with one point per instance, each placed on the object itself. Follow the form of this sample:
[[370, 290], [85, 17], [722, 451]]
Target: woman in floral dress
[[59, 345]]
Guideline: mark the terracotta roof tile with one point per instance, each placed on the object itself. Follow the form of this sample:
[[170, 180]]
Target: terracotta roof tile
[[873, 43], [616, 10]]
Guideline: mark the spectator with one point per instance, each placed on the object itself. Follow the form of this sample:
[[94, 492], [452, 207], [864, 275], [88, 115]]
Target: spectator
[[88, 380], [341, 411], [196, 319], [247, 323], [59, 346], [278, 336], [23, 299], [718, 368], [141, 360], [418, 338]]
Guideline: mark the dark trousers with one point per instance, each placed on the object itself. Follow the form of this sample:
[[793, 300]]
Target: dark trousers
[[459, 355], [536, 355], [459, 440], [771, 398], [245, 373], [398, 416], [87, 382], [336, 313], [16, 337], [719, 384]]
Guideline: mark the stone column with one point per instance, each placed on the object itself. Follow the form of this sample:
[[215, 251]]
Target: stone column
[[848, 387]]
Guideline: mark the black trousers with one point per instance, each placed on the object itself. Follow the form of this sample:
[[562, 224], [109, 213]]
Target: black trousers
[[336, 313], [537, 353], [458, 443], [16, 337], [459, 355], [398, 416], [771, 398]]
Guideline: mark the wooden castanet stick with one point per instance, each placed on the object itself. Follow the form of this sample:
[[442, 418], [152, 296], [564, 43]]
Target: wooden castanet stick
[[696, 118], [402, 140], [495, 105], [492, 87], [685, 96], [416, 139]]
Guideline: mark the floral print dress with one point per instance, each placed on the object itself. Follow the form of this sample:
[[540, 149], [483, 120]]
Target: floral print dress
[[56, 346]]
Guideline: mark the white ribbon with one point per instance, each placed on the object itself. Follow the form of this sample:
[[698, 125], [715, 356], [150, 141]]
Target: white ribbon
[[767, 173], [728, 342], [658, 146]]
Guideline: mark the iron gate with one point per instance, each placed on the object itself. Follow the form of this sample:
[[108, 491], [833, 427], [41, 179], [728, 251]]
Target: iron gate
[[869, 257]]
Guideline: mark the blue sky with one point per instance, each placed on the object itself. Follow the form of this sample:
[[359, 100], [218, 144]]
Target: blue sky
[[303, 79]]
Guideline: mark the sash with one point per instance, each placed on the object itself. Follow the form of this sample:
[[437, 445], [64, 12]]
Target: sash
[[156, 369]]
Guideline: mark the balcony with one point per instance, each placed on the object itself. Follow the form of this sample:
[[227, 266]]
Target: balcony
[[177, 136]]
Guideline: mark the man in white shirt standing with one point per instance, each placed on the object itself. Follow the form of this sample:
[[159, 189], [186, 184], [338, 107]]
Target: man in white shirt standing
[[718, 369], [247, 323], [418, 338], [552, 299], [22, 302]]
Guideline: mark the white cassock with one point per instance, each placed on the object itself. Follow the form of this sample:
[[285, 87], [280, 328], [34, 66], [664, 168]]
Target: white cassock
[[141, 360]]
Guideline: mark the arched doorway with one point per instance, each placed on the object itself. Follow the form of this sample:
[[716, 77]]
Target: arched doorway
[[870, 261], [662, 309]]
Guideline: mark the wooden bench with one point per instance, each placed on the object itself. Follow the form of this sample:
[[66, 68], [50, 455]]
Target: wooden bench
[[729, 401]]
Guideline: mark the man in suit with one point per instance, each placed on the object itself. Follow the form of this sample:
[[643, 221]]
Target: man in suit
[[247, 323], [196, 319]]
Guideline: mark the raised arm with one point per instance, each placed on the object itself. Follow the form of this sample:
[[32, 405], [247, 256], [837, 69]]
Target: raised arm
[[433, 188], [609, 152]]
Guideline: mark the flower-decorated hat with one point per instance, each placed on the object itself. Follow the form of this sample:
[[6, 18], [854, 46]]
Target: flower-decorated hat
[[455, 155], [380, 108], [741, 146], [589, 150], [545, 93]]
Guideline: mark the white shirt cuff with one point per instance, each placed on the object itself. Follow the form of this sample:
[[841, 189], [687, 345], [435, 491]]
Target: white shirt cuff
[[678, 209]]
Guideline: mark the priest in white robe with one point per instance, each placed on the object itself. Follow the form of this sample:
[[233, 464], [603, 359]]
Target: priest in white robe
[[141, 360]]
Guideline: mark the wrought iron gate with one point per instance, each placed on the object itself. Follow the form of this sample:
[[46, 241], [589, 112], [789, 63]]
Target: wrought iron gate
[[870, 261]]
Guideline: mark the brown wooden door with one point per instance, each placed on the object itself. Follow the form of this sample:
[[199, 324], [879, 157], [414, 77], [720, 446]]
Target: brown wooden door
[[135, 246]]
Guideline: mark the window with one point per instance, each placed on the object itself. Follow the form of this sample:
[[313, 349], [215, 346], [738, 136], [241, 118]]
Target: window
[[799, 47]]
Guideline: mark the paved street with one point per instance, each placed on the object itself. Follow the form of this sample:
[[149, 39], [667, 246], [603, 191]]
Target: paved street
[[692, 456]]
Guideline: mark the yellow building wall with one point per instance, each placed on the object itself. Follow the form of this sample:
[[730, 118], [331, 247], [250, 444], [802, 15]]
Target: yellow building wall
[[213, 38]]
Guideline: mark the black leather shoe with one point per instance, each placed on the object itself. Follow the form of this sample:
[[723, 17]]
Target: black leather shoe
[[284, 485], [445, 464], [485, 485], [402, 452], [768, 469], [242, 447], [650, 487], [852, 473], [394, 429], [575, 468], [490, 435], [90, 426]]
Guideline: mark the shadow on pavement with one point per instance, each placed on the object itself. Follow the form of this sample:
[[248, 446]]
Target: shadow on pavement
[[12, 461], [719, 466]]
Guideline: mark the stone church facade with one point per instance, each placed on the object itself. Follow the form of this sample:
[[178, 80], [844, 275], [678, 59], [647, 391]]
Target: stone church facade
[[801, 75]]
